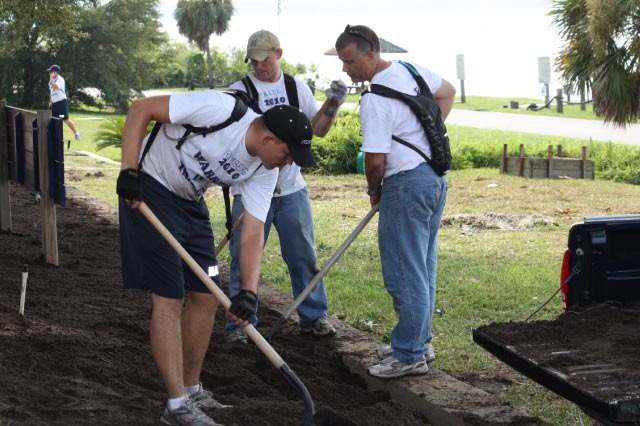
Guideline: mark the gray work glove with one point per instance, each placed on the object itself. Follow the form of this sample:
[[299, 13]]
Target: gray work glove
[[337, 91]]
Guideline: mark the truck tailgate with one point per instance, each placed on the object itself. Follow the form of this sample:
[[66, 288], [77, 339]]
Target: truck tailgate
[[590, 357]]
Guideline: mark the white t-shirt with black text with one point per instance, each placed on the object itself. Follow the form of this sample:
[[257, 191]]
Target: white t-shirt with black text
[[290, 179], [216, 158]]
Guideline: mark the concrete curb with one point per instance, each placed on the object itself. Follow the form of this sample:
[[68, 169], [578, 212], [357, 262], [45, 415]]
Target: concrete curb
[[441, 398]]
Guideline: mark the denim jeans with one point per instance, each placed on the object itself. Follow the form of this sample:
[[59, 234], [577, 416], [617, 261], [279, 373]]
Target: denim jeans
[[293, 219], [411, 208]]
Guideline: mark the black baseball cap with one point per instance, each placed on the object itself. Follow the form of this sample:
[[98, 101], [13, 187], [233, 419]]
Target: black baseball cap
[[55, 68], [290, 125]]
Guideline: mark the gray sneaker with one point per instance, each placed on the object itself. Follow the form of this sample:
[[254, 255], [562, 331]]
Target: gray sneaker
[[187, 415], [203, 399], [386, 351], [237, 335], [320, 328], [390, 368]]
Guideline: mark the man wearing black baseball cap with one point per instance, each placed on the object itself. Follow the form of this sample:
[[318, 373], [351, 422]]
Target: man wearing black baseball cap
[[290, 125], [246, 154], [58, 103]]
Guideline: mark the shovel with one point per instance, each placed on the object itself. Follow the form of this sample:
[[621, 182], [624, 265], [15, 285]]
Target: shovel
[[316, 279], [227, 237], [325, 417]]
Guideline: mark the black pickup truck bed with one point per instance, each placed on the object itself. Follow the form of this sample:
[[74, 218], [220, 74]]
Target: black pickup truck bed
[[590, 354]]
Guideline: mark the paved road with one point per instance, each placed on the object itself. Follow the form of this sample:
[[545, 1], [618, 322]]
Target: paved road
[[542, 125], [553, 126]]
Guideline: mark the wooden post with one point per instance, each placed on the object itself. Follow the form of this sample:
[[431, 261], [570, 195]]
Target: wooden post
[[521, 161], [559, 105], [503, 160], [48, 207], [559, 148], [583, 165], [5, 193], [463, 96], [550, 164]]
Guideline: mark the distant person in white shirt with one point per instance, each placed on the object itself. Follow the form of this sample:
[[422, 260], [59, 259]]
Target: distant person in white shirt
[[58, 103]]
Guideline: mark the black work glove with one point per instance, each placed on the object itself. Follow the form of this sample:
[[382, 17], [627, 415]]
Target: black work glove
[[243, 305], [129, 186]]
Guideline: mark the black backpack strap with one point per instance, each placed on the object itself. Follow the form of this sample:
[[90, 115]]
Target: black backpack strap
[[252, 94], [152, 137], [292, 90], [239, 110]]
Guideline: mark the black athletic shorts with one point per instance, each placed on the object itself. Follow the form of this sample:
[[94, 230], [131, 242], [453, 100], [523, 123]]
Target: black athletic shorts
[[148, 261], [60, 109]]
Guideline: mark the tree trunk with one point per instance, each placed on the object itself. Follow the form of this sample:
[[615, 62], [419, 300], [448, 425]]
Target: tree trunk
[[210, 66]]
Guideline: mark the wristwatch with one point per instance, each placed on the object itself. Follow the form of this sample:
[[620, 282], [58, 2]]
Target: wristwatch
[[372, 193]]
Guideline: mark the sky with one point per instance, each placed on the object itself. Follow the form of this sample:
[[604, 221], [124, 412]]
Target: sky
[[501, 41]]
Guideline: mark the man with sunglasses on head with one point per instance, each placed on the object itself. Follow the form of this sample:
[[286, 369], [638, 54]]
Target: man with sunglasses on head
[[410, 192], [290, 210]]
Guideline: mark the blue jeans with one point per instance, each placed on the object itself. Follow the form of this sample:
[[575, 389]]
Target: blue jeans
[[411, 208], [293, 219]]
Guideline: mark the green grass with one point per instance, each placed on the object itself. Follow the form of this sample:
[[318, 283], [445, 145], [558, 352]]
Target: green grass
[[484, 274]]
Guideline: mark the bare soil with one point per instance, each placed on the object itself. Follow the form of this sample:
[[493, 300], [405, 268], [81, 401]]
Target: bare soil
[[80, 355], [595, 349]]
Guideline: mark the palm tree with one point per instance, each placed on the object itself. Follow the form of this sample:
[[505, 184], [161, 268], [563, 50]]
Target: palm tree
[[198, 19], [601, 53]]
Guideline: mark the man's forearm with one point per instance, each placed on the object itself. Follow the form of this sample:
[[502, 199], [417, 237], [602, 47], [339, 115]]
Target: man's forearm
[[251, 249]]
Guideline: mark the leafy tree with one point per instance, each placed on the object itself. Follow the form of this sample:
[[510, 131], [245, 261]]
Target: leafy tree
[[198, 19], [602, 53], [28, 41], [119, 51], [115, 46]]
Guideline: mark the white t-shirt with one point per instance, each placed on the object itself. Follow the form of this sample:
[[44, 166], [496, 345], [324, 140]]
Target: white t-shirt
[[217, 158], [290, 179], [381, 118], [61, 93]]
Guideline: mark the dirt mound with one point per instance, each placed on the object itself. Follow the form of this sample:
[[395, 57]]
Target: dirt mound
[[499, 221]]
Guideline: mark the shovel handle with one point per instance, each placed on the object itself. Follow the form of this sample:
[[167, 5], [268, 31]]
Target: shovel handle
[[332, 260], [227, 237]]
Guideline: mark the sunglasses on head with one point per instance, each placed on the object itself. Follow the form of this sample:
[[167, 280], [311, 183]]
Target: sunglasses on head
[[356, 32]]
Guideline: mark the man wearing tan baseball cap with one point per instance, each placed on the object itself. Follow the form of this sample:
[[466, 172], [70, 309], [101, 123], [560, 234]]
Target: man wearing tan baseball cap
[[260, 44], [269, 88]]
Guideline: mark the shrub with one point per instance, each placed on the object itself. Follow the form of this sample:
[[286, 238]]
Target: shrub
[[337, 152]]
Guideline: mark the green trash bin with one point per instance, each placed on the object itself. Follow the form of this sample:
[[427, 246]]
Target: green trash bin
[[361, 163]]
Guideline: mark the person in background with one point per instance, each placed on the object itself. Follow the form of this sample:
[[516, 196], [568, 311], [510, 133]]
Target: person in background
[[246, 154], [58, 103], [410, 193], [290, 211]]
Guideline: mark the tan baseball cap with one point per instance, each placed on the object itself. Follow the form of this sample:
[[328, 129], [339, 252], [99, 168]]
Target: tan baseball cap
[[260, 44]]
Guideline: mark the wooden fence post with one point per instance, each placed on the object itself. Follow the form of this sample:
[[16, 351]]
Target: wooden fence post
[[503, 160], [5, 195], [48, 207], [521, 161], [583, 164], [550, 164], [559, 148]]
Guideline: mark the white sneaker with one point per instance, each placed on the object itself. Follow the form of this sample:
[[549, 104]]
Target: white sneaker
[[78, 136], [390, 368], [386, 351]]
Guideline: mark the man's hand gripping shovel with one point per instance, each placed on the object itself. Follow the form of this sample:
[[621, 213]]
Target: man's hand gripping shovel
[[325, 417]]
